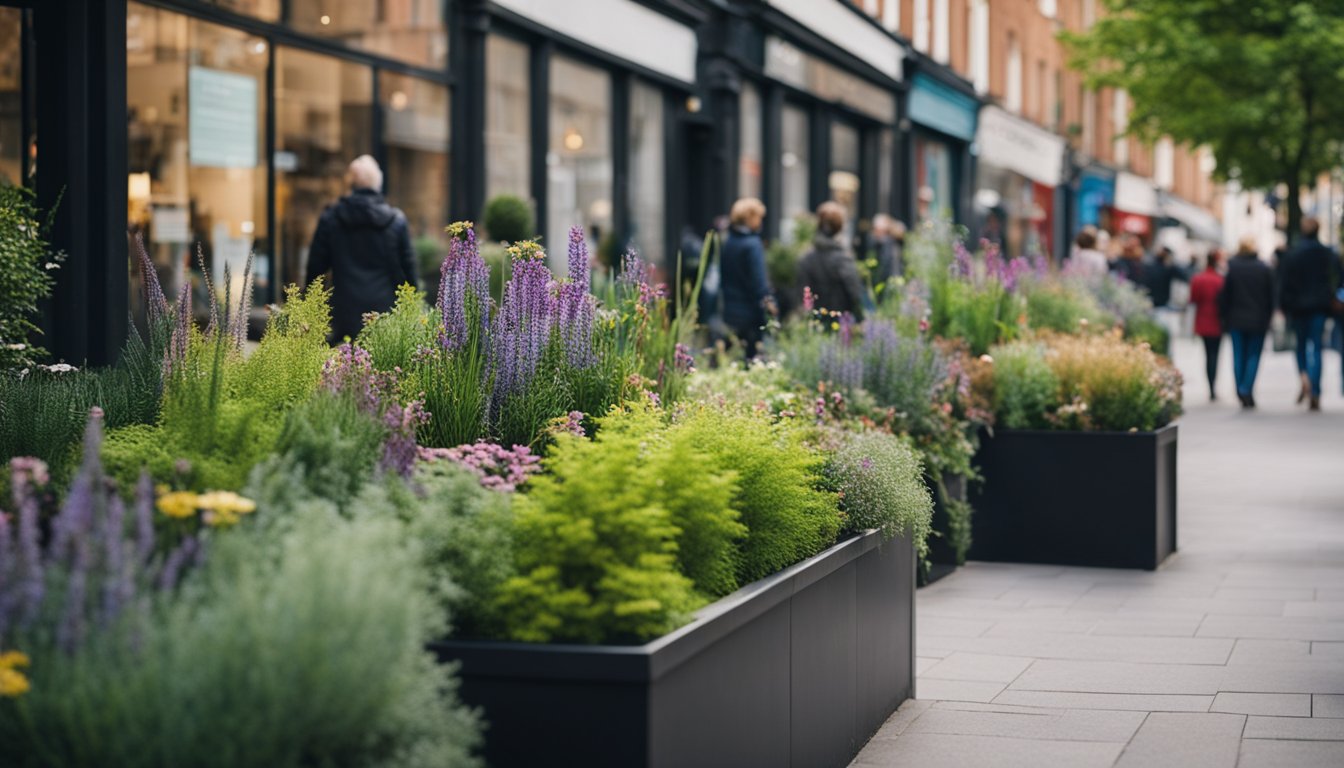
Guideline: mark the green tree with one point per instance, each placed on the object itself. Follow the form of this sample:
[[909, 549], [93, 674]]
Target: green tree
[[1259, 82]]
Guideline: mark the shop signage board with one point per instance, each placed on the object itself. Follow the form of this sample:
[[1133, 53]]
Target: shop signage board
[[942, 108], [222, 118], [1019, 146], [789, 64], [846, 27]]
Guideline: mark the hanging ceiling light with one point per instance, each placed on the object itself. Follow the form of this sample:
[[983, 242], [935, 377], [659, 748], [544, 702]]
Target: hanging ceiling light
[[573, 139]]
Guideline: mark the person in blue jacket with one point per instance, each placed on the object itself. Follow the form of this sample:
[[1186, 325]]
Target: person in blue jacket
[[743, 286]]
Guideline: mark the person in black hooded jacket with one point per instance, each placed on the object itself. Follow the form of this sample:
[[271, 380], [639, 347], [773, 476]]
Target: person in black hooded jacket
[[366, 245]]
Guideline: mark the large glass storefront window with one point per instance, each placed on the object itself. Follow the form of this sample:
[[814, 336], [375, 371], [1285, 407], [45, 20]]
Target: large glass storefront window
[[844, 178], [886, 153], [750, 149], [508, 138], [410, 30], [12, 143], [415, 177], [647, 173], [578, 164], [324, 119], [793, 161], [267, 10], [934, 184], [196, 117]]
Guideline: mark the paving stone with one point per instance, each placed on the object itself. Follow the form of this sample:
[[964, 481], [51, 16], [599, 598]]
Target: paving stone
[[977, 667], [1072, 725], [909, 711], [957, 690], [1262, 753], [1202, 606], [940, 626], [1074, 646], [1271, 629], [1136, 626], [1265, 593], [1285, 704], [1328, 650], [1298, 728], [1315, 676], [1185, 740], [1258, 651], [1330, 595], [1314, 610], [1119, 677], [922, 664], [931, 750], [1327, 705], [1139, 702], [1040, 626]]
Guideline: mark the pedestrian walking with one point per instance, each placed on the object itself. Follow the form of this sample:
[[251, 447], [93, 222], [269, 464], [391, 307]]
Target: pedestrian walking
[[1309, 274], [365, 243], [742, 281], [829, 270], [1088, 260], [1204, 290], [1160, 274], [1130, 264], [1245, 306], [887, 249]]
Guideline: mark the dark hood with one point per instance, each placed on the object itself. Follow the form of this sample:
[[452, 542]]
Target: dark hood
[[365, 209]]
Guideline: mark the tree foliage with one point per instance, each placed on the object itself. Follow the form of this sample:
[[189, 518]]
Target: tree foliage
[[1259, 82]]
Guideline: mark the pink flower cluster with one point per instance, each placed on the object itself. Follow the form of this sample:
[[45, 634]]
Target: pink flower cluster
[[499, 468]]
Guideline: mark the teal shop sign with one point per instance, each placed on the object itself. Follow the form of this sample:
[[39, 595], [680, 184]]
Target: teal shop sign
[[942, 108]]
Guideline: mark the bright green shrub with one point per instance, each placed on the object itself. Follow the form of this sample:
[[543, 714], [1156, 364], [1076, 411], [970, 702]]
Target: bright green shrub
[[24, 278], [1145, 329], [393, 337], [287, 364], [1026, 391], [881, 484], [299, 643], [508, 219], [336, 443], [1057, 305], [788, 518], [595, 551]]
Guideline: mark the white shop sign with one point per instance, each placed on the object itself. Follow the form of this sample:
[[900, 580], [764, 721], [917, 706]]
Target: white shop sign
[[1014, 144], [639, 34], [847, 29], [1135, 194], [222, 118]]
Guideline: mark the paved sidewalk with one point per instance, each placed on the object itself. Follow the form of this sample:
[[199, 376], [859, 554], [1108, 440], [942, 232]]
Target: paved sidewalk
[[1232, 654]]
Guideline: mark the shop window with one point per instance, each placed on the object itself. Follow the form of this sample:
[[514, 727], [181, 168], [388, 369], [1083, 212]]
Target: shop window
[[196, 117], [579, 164], [844, 180], [793, 160], [15, 138], [266, 10], [410, 30], [934, 183], [324, 111], [647, 173], [508, 138], [416, 150], [886, 154], [750, 150]]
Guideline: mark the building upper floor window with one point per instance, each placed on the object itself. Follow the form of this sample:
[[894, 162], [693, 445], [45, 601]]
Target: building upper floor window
[[942, 31], [1012, 96], [978, 44], [1049, 8], [921, 36], [891, 14], [1120, 124]]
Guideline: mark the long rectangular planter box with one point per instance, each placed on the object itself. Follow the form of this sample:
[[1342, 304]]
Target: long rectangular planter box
[[798, 669], [1104, 499], [942, 557]]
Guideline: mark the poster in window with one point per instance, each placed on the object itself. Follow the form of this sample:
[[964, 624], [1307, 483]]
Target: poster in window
[[222, 118]]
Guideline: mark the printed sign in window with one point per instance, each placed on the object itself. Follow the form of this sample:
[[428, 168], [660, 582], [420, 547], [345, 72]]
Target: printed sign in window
[[222, 114]]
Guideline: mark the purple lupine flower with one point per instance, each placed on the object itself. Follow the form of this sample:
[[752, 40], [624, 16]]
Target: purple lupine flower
[[8, 594], [30, 584], [1013, 273], [634, 271], [70, 630], [963, 265], [399, 450], [118, 587], [524, 324], [156, 304], [144, 518], [176, 562], [994, 266], [464, 291], [209, 292], [181, 336], [576, 309], [846, 329], [237, 321], [682, 359]]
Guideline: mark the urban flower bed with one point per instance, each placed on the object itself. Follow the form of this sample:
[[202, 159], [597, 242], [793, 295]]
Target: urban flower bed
[[1081, 467], [289, 529]]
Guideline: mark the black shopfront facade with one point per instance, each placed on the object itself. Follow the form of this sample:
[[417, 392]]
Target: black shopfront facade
[[224, 126]]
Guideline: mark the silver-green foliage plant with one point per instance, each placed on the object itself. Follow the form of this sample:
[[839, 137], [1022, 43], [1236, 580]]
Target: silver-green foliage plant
[[880, 480], [1026, 390]]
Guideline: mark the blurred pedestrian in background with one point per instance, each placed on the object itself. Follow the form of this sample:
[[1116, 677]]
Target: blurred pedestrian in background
[[829, 270], [1088, 260], [742, 283], [887, 248], [1204, 290], [1246, 305], [1130, 264], [366, 245], [1309, 273]]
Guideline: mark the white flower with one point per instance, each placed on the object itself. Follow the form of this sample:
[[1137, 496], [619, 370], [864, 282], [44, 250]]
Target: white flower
[[19, 347], [50, 265], [986, 359], [59, 368]]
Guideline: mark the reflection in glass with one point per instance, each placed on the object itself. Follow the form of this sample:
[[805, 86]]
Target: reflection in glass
[[196, 116], [267, 10], [844, 178], [647, 172], [934, 183], [508, 143], [11, 96], [415, 139], [749, 147], [324, 120], [578, 165], [793, 162], [410, 30]]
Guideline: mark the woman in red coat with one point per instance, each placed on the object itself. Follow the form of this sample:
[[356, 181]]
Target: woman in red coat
[[1204, 290]]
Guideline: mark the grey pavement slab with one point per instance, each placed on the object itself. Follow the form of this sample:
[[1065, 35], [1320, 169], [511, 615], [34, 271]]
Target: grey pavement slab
[[1284, 704], [1185, 740], [1230, 654], [1263, 753]]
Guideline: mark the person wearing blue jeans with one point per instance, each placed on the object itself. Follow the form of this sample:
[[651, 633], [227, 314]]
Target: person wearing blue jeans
[[1310, 272], [1246, 304], [1246, 349]]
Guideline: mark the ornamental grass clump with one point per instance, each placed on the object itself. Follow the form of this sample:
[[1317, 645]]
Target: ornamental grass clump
[[879, 477], [1108, 384]]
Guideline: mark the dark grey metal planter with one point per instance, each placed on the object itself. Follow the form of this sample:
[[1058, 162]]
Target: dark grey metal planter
[[942, 558], [1104, 499], [798, 669]]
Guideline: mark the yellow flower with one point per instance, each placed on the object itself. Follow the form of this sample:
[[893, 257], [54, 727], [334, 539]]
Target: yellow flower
[[12, 682], [178, 504], [225, 503]]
